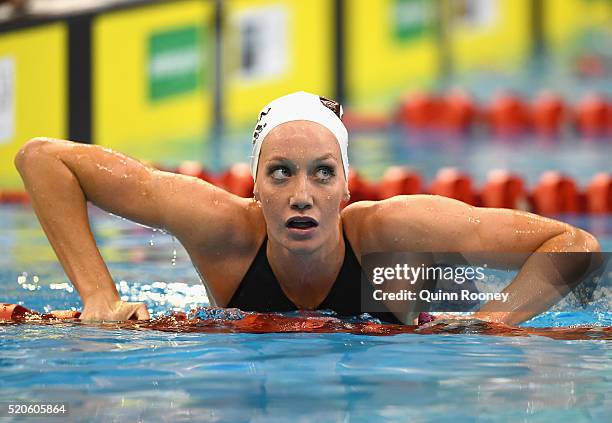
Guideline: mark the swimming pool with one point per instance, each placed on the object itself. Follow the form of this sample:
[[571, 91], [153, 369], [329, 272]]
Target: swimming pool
[[109, 374]]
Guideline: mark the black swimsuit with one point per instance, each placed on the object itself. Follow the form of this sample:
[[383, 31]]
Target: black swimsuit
[[260, 291]]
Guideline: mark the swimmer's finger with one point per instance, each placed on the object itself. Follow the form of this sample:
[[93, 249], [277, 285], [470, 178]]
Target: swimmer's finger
[[65, 314], [140, 313], [453, 316]]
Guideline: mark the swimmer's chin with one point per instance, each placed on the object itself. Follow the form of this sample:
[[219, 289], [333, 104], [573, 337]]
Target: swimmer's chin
[[301, 247]]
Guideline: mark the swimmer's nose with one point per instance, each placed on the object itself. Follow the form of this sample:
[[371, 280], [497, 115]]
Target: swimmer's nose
[[301, 198]]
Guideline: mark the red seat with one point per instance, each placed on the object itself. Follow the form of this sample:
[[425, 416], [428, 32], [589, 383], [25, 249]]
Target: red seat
[[508, 115], [599, 194], [453, 183], [593, 116], [238, 180], [398, 180], [555, 193], [504, 190], [548, 114]]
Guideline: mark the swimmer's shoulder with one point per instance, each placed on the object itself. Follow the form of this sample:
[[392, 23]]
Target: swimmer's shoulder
[[234, 226], [356, 222], [248, 226], [399, 222], [223, 263]]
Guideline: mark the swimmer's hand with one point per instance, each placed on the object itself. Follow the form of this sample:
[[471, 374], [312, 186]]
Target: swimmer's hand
[[114, 310], [453, 316], [442, 317], [493, 317]]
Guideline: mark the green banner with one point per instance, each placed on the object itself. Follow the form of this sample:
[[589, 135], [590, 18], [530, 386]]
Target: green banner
[[176, 62], [411, 18]]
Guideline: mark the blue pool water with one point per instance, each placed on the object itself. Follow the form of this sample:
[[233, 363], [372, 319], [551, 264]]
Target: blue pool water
[[108, 374]]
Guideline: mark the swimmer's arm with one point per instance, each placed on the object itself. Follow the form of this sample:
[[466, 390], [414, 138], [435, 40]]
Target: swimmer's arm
[[61, 176], [57, 195], [440, 224]]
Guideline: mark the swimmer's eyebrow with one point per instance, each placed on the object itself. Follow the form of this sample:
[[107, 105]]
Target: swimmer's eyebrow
[[279, 158], [318, 159], [325, 157]]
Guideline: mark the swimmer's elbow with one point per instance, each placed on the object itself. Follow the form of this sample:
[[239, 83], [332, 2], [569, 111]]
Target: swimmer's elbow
[[33, 151], [581, 241], [588, 242], [28, 153]]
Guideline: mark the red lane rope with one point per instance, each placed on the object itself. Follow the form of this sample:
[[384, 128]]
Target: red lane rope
[[308, 322]]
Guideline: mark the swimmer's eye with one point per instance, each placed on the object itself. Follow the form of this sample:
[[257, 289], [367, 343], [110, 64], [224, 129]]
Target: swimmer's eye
[[325, 173], [279, 172]]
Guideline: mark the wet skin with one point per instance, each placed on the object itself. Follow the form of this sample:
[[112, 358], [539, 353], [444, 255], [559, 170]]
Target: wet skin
[[300, 174]]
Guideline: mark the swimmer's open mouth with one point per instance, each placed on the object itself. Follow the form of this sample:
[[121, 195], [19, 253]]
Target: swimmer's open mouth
[[301, 222]]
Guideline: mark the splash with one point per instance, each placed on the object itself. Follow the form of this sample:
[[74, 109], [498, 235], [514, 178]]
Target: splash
[[221, 320]]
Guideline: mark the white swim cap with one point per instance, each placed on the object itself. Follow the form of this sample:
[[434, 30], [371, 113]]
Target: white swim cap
[[299, 106]]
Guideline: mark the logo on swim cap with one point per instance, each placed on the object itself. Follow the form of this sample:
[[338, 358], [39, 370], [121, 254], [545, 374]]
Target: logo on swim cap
[[259, 127], [332, 105]]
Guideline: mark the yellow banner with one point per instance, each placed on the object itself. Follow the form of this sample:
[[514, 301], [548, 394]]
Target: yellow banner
[[33, 92], [390, 48], [565, 24], [274, 47], [489, 34], [153, 80]]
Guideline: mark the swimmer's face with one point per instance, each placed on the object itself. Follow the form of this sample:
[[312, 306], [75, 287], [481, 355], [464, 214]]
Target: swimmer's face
[[300, 173]]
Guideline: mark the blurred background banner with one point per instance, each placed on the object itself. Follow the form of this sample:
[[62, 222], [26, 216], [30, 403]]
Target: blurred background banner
[[390, 48], [571, 24], [272, 48], [153, 78], [33, 90], [489, 35], [448, 90]]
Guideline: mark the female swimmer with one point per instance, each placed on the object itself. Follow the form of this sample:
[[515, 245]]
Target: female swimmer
[[290, 247]]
